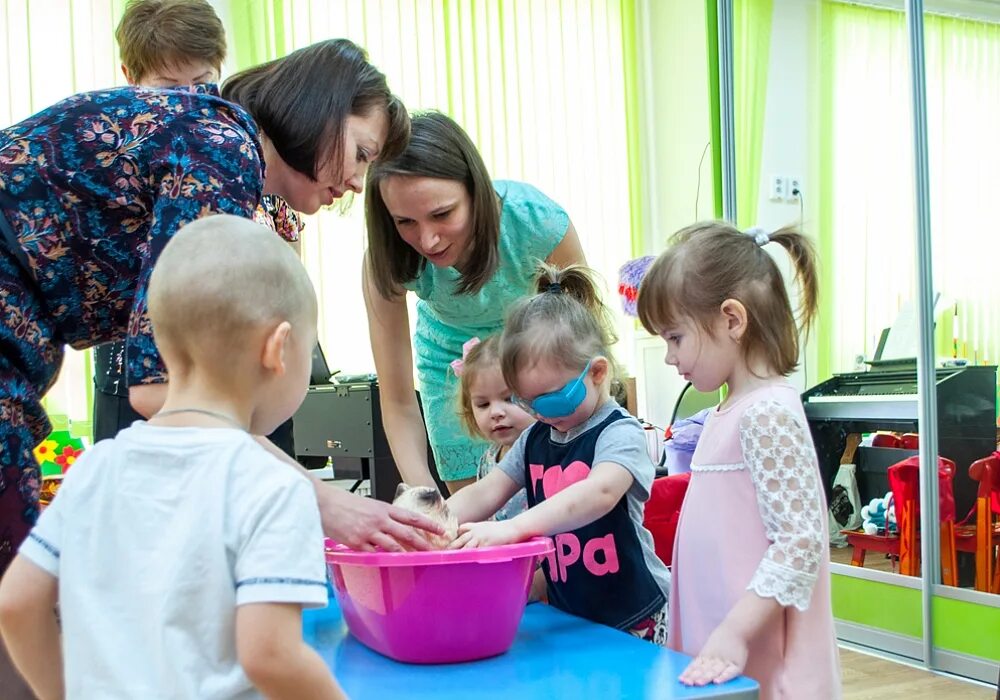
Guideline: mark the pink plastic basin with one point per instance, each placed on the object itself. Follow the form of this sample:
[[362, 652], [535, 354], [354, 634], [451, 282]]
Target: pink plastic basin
[[435, 607]]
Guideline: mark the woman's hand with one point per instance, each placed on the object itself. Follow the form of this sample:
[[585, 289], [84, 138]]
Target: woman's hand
[[487, 534], [364, 524], [723, 657]]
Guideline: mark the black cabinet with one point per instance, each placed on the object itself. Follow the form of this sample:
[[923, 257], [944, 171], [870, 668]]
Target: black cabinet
[[343, 421]]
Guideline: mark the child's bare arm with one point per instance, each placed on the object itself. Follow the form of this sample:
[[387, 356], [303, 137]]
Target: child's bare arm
[[575, 506], [579, 504], [28, 596], [276, 659], [724, 655], [482, 499]]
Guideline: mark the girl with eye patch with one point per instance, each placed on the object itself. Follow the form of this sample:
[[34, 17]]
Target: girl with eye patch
[[583, 464]]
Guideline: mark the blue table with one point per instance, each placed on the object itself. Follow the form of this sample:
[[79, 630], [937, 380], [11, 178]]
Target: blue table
[[554, 655]]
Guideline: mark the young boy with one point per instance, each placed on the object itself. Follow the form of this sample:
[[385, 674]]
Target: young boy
[[182, 552]]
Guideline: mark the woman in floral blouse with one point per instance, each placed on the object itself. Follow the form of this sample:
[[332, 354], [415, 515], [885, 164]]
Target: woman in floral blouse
[[92, 188]]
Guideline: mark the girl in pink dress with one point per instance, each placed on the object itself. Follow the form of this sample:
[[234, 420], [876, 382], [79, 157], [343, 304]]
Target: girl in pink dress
[[751, 586]]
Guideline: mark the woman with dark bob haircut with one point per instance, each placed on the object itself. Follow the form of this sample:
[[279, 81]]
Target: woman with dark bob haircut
[[93, 187], [468, 246]]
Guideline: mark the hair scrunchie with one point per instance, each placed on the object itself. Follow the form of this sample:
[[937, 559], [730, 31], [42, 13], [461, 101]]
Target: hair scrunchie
[[759, 235]]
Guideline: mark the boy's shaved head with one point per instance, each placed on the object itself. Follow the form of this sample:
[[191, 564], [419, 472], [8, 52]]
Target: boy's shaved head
[[219, 281]]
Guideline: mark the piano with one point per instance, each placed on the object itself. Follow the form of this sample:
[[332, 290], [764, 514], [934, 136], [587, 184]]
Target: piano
[[885, 398]]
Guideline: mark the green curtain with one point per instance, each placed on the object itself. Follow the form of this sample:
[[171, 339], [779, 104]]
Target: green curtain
[[630, 55], [258, 32], [826, 315], [751, 58], [715, 110], [863, 81]]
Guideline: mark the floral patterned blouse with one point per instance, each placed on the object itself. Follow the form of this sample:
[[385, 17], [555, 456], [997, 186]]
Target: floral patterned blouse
[[95, 185]]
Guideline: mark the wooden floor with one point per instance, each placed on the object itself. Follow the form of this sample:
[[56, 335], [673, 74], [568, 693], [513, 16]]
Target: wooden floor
[[870, 677], [867, 676], [873, 560]]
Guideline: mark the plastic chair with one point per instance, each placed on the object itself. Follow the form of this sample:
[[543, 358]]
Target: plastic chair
[[884, 439], [906, 441], [904, 479], [663, 511], [987, 526], [691, 401], [909, 441]]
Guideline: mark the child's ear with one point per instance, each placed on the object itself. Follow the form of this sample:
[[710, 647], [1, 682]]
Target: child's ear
[[599, 369], [734, 314], [273, 357], [401, 489]]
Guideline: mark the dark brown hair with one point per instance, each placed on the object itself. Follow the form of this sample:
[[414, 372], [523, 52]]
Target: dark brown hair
[[710, 262], [438, 148], [302, 100], [157, 34], [566, 321], [480, 358]]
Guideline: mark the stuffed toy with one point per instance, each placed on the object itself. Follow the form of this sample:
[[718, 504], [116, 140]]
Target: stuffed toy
[[879, 516]]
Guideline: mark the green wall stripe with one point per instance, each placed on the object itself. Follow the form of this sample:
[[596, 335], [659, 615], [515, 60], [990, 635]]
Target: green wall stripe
[[959, 626], [880, 605], [966, 628]]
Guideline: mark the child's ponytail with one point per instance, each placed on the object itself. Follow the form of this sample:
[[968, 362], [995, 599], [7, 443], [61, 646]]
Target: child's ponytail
[[803, 256], [566, 320]]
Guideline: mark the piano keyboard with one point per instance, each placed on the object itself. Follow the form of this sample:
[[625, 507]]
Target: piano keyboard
[[870, 407], [861, 398]]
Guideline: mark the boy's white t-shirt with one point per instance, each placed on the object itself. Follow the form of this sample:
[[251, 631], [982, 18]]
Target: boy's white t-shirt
[[156, 537]]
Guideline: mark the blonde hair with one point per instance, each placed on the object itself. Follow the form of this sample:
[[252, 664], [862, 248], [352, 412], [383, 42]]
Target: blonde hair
[[157, 34], [565, 321], [710, 262], [482, 357], [218, 281]]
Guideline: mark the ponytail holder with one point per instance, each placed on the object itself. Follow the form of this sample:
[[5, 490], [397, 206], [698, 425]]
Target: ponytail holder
[[554, 288], [759, 235], [458, 366]]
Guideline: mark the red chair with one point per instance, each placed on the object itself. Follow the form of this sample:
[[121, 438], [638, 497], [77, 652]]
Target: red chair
[[663, 510], [904, 480], [987, 528], [884, 439]]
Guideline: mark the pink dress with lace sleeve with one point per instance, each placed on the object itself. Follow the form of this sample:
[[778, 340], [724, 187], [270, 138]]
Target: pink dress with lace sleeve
[[754, 518]]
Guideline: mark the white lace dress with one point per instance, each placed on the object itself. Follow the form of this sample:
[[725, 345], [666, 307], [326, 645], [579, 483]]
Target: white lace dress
[[754, 518]]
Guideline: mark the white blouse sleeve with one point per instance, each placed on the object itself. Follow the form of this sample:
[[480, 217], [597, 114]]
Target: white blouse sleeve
[[782, 462]]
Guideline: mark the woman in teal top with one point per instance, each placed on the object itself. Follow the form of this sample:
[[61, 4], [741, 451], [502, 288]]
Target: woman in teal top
[[468, 247]]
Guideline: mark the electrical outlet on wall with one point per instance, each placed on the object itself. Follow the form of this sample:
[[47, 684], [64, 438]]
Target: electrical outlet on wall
[[785, 188], [794, 188], [779, 188]]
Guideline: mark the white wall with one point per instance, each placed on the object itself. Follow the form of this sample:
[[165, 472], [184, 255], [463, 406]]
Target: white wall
[[790, 144], [676, 127], [675, 130]]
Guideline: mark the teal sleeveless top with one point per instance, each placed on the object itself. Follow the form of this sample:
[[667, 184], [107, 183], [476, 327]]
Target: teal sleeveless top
[[531, 226]]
